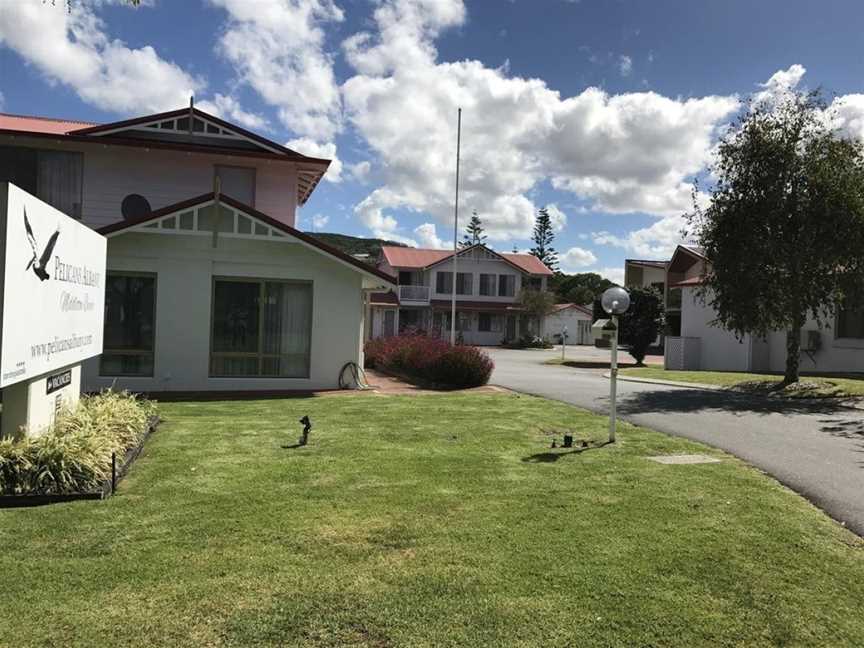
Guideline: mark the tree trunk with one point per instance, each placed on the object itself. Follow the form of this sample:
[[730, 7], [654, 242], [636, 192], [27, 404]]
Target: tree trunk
[[793, 353]]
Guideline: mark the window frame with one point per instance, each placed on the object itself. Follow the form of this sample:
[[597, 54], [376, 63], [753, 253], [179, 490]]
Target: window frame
[[468, 278], [493, 290], [37, 154], [847, 338], [443, 274], [261, 281], [145, 275], [502, 284]]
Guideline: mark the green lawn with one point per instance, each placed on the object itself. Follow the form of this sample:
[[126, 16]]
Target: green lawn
[[426, 521], [811, 386]]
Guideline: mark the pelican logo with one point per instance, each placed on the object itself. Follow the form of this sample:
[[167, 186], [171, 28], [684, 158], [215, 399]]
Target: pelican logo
[[39, 262]]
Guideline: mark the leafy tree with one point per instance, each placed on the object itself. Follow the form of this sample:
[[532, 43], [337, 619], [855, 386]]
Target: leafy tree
[[643, 321], [543, 237], [536, 303], [474, 232], [580, 288], [784, 228]]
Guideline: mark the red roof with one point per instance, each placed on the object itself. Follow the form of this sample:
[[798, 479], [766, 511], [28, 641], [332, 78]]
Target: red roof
[[272, 222], [417, 258], [30, 124], [587, 310]]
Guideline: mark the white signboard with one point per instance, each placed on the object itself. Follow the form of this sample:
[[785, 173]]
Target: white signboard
[[53, 288]]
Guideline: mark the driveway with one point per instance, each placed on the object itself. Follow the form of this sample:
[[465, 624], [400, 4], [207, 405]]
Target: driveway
[[815, 449]]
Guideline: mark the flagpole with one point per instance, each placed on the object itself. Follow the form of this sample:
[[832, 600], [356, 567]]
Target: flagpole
[[455, 231]]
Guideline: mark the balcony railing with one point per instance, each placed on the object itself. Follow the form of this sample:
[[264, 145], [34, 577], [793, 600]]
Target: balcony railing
[[414, 294]]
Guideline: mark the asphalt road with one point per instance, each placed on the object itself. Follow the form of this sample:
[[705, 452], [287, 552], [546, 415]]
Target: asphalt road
[[816, 450]]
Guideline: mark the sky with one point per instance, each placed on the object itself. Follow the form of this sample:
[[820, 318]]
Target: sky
[[603, 111]]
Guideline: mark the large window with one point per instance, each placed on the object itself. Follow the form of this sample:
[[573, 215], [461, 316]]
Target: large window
[[489, 322], [261, 328], [464, 283], [850, 323], [506, 285], [130, 325], [53, 176], [487, 285], [443, 283]]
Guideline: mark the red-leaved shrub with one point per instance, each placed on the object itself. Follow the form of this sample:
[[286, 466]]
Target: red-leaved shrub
[[431, 359]]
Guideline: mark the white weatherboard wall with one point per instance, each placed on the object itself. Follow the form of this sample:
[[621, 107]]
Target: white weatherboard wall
[[166, 177], [185, 267]]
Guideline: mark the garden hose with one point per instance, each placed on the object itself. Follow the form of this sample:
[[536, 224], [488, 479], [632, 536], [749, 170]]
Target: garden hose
[[357, 375]]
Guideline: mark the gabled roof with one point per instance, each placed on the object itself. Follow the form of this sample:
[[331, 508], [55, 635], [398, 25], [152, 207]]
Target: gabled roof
[[423, 258], [173, 213], [648, 263], [685, 257], [162, 131]]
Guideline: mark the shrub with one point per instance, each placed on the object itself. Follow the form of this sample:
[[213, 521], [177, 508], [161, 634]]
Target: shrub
[[75, 454], [528, 341], [462, 366], [430, 358]]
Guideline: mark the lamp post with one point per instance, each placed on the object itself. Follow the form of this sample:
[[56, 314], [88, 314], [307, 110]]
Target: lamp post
[[563, 340], [615, 301]]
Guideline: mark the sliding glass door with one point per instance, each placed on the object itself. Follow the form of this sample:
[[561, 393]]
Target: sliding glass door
[[261, 328]]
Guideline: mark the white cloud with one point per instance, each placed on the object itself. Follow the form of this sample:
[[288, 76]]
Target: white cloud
[[278, 49], [576, 257], [70, 46], [427, 237], [229, 108], [625, 65], [361, 170], [615, 275], [557, 217], [633, 152], [779, 84], [319, 221], [327, 151]]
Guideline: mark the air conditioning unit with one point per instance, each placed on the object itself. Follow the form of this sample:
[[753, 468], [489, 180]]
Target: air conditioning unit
[[811, 340]]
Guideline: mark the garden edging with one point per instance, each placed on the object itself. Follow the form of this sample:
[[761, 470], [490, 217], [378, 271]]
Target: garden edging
[[108, 486]]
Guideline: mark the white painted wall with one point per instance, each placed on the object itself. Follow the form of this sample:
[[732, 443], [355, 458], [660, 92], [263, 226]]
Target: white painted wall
[[166, 177], [570, 318], [185, 266], [835, 355], [719, 350]]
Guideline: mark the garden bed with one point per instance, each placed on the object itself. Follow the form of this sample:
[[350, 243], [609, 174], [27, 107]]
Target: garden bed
[[120, 468]]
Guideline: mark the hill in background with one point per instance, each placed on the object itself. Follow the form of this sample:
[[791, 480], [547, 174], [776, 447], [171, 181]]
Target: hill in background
[[354, 244]]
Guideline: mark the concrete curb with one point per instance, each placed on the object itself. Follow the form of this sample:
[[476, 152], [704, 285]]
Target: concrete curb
[[853, 403]]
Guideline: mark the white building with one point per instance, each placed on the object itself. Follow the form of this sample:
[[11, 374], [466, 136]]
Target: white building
[[488, 284], [698, 344], [205, 291], [576, 318]]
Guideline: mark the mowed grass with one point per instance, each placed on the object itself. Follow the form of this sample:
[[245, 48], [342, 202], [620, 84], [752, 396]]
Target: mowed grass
[[809, 387], [440, 520]]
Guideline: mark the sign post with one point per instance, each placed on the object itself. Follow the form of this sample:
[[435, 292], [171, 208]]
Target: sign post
[[52, 298]]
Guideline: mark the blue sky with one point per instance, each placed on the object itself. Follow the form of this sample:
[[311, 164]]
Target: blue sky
[[605, 111]]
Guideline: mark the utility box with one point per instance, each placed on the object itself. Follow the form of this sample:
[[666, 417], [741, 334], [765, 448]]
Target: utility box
[[601, 332]]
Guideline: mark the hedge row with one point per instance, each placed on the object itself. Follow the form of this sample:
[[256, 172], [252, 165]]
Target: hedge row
[[431, 359]]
